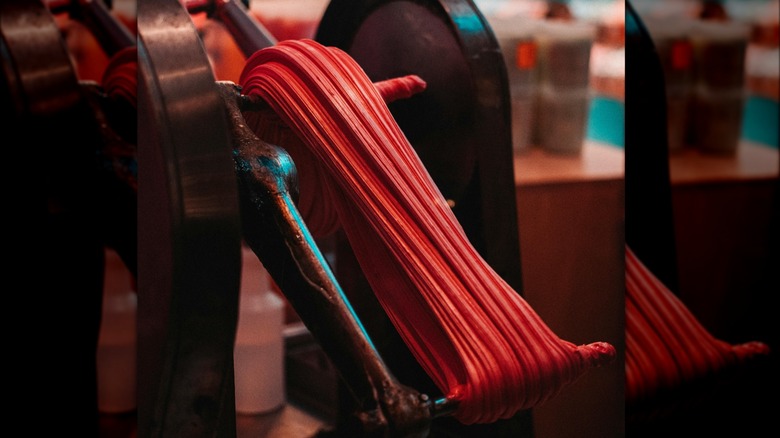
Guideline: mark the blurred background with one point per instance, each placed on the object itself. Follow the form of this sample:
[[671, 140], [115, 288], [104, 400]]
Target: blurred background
[[565, 67]]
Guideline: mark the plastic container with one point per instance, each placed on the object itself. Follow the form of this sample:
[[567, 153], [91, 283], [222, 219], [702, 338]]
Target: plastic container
[[563, 93], [719, 49], [259, 348], [116, 351], [562, 120], [717, 121], [515, 36]]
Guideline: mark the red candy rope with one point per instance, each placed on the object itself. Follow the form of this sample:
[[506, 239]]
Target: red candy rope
[[120, 76], [479, 341], [666, 346]]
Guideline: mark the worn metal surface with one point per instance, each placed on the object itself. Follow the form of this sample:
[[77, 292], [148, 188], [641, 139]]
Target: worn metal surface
[[272, 227], [189, 234], [39, 77], [275, 231]]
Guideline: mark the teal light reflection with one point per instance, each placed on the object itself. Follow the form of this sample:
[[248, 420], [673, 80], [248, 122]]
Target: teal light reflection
[[306, 235], [468, 23]]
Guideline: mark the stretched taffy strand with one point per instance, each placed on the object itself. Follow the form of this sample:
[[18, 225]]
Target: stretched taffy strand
[[120, 83], [666, 346], [476, 337], [120, 78]]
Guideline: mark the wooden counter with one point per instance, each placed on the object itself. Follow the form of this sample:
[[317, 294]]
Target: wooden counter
[[596, 162], [752, 162], [726, 228], [570, 217]]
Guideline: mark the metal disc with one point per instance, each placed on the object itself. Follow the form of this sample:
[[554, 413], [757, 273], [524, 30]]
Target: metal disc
[[460, 125], [189, 234]]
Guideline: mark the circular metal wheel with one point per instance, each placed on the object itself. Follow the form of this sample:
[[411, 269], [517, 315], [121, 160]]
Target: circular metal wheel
[[189, 233], [38, 77], [460, 124]]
